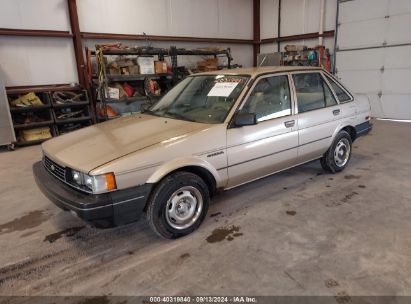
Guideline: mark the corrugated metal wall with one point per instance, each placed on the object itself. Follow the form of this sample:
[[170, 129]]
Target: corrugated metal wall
[[297, 17], [31, 61]]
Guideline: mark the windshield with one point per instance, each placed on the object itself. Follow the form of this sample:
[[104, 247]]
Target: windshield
[[203, 98]]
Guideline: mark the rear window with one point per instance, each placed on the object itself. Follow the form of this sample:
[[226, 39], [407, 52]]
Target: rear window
[[341, 94]]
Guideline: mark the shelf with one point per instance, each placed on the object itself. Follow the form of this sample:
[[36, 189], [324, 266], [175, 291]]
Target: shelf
[[40, 88], [135, 77], [33, 125], [72, 120], [123, 114], [200, 52], [103, 118], [126, 100], [29, 109], [140, 52], [164, 52], [48, 111], [70, 104], [30, 142]]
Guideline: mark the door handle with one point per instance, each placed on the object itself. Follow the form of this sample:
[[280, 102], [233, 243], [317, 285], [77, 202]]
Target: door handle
[[336, 112], [289, 124]]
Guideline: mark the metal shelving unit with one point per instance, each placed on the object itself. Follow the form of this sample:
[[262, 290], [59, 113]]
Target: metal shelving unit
[[7, 134], [48, 114], [40, 114], [81, 119], [165, 80]]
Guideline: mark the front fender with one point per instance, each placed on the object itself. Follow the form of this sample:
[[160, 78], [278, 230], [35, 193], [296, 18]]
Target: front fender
[[179, 163]]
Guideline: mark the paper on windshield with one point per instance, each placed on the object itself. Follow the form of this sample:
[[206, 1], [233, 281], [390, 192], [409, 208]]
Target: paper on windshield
[[222, 89]]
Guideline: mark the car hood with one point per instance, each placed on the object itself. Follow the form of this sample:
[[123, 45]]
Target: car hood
[[91, 147]]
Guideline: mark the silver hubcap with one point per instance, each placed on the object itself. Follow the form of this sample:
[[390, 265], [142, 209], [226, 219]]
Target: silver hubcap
[[342, 152], [184, 207]]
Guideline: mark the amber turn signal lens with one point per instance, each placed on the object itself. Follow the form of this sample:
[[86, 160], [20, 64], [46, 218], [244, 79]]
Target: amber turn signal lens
[[110, 181]]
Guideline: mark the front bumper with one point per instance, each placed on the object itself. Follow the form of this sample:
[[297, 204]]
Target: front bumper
[[117, 207]]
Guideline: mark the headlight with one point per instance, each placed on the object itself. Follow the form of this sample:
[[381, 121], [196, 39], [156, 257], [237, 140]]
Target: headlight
[[94, 183]]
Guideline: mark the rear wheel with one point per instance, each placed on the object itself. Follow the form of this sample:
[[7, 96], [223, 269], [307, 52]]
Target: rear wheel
[[178, 205], [339, 154]]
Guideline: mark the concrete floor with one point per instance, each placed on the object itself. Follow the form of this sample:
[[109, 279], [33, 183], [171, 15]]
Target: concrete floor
[[300, 232]]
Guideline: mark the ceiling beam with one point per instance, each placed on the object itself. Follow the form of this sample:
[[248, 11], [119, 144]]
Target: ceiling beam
[[88, 35], [34, 33], [298, 37]]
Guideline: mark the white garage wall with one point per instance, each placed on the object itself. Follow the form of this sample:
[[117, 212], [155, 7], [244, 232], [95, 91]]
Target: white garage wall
[[36, 61], [33, 61], [196, 18], [268, 18], [38, 14], [297, 17]]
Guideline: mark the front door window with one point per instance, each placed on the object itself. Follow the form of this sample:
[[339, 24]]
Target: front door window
[[270, 98]]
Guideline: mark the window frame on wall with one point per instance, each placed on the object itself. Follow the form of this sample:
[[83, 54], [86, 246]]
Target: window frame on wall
[[324, 83], [290, 91]]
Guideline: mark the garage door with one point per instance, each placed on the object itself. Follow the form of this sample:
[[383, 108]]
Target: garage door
[[373, 53]]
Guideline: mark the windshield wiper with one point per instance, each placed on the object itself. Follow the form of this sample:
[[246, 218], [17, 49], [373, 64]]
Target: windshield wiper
[[178, 116]]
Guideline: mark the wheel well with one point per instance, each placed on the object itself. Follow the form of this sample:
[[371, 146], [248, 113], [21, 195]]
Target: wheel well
[[207, 177], [351, 130]]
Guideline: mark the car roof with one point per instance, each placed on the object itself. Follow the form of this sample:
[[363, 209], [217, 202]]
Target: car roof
[[260, 70]]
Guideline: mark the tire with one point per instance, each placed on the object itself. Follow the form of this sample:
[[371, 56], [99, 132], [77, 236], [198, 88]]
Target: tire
[[178, 205], [338, 155]]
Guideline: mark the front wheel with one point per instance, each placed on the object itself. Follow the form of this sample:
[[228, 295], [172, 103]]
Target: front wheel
[[178, 205], [339, 154]]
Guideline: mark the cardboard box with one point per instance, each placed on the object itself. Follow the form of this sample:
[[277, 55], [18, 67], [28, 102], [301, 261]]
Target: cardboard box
[[113, 93], [146, 65], [160, 67], [210, 64], [114, 71], [133, 70], [295, 48]]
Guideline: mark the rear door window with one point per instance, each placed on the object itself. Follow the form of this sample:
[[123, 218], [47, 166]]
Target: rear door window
[[329, 97], [341, 94], [310, 91]]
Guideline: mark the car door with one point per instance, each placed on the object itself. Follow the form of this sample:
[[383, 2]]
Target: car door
[[270, 145], [319, 114]]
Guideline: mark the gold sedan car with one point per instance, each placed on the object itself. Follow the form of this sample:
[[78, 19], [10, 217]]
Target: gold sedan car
[[213, 131]]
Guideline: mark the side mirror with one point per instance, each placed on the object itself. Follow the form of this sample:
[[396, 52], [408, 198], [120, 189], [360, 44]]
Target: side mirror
[[245, 119]]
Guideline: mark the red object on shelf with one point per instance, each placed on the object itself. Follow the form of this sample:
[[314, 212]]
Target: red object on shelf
[[128, 89], [328, 61]]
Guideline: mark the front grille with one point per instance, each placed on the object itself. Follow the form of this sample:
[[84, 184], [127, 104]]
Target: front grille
[[55, 169]]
